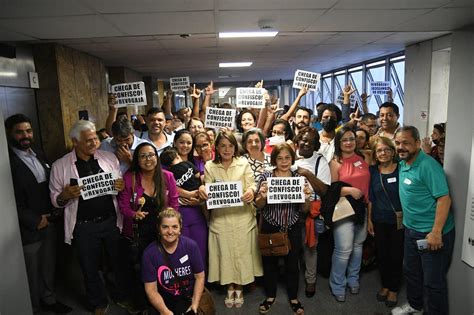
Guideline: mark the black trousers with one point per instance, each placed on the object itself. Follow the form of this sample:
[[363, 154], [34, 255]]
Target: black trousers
[[389, 245], [270, 264], [89, 239]]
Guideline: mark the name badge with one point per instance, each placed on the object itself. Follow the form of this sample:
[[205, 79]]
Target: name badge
[[391, 180], [183, 259], [407, 181], [357, 164]]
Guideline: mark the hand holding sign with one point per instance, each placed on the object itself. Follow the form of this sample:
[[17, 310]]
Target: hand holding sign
[[112, 101], [304, 90], [119, 184], [71, 192], [248, 196]]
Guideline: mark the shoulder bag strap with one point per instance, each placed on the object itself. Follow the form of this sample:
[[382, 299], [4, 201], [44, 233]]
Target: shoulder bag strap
[[385, 191]]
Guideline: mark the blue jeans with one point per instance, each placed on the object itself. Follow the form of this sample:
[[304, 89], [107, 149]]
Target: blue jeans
[[347, 256], [427, 271]]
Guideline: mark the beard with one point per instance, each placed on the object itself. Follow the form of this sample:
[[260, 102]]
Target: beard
[[21, 144], [407, 156]]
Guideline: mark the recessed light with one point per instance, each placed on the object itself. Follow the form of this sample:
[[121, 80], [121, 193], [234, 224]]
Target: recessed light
[[247, 34], [235, 64]]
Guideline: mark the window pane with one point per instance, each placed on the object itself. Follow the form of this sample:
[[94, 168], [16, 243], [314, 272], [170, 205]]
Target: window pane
[[375, 74], [397, 78], [339, 83], [327, 93]]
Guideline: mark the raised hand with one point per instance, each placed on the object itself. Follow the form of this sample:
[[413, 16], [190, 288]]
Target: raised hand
[[196, 93], [209, 90]]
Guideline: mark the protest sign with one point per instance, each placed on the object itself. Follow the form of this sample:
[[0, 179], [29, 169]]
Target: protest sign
[[306, 78], [179, 84], [129, 94], [98, 185], [219, 117], [250, 97], [224, 195], [285, 190], [352, 99], [380, 87]]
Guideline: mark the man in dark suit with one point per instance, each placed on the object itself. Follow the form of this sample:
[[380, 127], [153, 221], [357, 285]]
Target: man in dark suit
[[30, 174]]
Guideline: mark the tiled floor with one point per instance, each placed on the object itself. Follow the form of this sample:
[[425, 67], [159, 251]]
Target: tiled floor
[[71, 290]]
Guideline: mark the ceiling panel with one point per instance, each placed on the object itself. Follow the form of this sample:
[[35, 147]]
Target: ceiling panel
[[136, 6], [440, 20], [294, 39], [29, 8], [63, 27], [361, 37], [385, 4], [163, 23], [187, 43], [363, 20], [408, 38], [8, 36], [281, 20], [274, 4]]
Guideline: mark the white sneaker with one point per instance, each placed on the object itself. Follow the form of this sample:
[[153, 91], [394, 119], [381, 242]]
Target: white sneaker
[[406, 309]]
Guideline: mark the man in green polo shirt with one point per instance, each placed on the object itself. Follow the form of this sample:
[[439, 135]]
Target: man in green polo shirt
[[424, 195]]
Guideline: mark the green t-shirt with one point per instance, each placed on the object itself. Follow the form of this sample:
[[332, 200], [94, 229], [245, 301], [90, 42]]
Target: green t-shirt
[[420, 185]]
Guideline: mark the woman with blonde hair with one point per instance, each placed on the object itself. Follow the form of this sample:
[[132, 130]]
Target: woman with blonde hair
[[385, 211], [234, 258]]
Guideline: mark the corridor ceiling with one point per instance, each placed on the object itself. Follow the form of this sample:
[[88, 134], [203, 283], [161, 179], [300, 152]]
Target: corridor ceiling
[[315, 35]]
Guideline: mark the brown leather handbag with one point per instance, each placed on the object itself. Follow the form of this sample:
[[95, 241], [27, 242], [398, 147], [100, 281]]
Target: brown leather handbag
[[273, 244]]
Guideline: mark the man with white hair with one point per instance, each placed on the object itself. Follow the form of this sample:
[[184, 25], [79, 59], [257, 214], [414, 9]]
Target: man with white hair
[[90, 222]]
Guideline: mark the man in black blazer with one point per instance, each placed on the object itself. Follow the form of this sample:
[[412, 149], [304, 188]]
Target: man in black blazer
[[30, 174]]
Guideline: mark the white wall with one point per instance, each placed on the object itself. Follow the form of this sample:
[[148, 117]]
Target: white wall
[[459, 137], [438, 109], [14, 292]]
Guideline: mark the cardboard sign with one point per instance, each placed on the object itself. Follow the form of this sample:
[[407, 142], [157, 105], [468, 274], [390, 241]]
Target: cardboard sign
[[250, 97], [129, 94], [98, 185], [380, 87], [224, 195], [219, 117], [306, 78], [285, 190], [276, 140], [179, 84], [352, 99]]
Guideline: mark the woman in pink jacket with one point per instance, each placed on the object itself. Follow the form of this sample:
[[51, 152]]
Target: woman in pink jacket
[[148, 190]]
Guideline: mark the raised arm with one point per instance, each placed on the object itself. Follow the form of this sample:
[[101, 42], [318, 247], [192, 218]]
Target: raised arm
[[208, 91], [111, 101], [295, 104]]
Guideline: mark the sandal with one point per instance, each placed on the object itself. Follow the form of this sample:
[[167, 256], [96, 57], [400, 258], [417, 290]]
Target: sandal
[[265, 306], [297, 308], [239, 299], [229, 300]]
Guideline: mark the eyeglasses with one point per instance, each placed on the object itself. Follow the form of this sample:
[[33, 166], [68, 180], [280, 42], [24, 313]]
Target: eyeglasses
[[386, 150], [202, 146], [149, 156], [278, 133], [348, 140]]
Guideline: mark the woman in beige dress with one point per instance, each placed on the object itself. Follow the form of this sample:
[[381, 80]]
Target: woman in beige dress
[[234, 258]]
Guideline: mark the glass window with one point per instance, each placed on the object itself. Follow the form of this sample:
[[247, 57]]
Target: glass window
[[355, 78], [397, 79], [339, 83], [375, 74], [326, 89]]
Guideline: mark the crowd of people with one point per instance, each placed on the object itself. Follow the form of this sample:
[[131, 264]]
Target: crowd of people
[[163, 242]]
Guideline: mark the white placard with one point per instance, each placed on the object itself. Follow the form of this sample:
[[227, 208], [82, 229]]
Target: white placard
[[250, 97], [219, 117], [352, 99], [130, 94], [224, 195], [285, 190], [306, 78], [98, 185], [380, 87], [179, 84]]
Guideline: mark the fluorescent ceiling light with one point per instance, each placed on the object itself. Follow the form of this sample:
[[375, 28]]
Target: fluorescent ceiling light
[[7, 74], [246, 34], [234, 64]]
